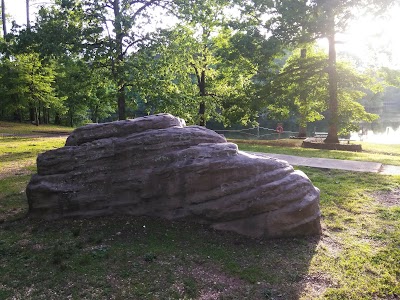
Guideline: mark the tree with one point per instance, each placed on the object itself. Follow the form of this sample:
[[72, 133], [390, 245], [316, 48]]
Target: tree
[[165, 76], [28, 82], [103, 32], [391, 77], [298, 21], [193, 51], [127, 18], [88, 93], [3, 18], [333, 17], [302, 86], [205, 19], [160, 75]]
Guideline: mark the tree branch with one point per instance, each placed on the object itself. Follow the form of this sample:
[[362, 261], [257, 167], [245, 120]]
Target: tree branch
[[196, 71], [141, 9]]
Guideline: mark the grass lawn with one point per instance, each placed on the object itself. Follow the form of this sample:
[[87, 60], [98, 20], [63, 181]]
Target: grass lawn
[[386, 154], [9, 128], [357, 257]]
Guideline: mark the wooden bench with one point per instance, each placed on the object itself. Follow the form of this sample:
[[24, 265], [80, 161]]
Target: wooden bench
[[347, 140], [320, 134]]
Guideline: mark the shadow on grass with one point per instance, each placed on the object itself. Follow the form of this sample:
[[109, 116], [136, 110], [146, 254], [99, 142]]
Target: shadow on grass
[[13, 202], [143, 258]]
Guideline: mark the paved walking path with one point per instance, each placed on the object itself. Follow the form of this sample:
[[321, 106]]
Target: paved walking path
[[329, 163]]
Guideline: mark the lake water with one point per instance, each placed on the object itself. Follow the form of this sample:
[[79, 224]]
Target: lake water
[[387, 136]]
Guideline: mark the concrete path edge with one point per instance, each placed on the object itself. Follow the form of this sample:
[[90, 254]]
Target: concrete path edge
[[338, 164]]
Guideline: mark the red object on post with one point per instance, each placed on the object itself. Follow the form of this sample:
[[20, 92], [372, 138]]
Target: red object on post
[[279, 128]]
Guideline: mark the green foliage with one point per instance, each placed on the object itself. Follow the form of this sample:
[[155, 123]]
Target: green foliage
[[59, 30], [166, 76], [160, 76], [297, 22], [88, 92], [28, 82], [301, 88], [392, 77]]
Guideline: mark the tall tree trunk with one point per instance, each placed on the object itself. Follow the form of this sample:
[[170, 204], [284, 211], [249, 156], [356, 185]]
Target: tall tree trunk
[[57, 119], [31, 112], [333, 93], [202, 111], [71, 119], [302, 130], [45, 115], [95, 118], [37, 117], [40, 118], [3, 18], [202, 107], [118, 71], [303, 99], [121, 103], [28, 21]]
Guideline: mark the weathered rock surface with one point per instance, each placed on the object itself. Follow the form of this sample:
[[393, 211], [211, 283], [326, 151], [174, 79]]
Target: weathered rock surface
[[156, 166]]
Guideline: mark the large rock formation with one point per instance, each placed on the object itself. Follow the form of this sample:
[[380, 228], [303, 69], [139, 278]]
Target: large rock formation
[[156, 166]]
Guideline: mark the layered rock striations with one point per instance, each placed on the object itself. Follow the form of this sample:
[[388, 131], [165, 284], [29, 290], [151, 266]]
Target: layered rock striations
[[156, 166]]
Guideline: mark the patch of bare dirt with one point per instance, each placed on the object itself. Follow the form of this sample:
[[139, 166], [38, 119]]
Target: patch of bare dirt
[[212, 279], [213, 284], [12, 214], [330, 245], [388, 198], [316, 284]]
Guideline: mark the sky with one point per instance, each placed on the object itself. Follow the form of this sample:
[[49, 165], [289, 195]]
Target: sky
[[16, 9], [374, 41]]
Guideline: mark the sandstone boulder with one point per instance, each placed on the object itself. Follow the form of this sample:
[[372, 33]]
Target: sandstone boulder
[[156, 166]]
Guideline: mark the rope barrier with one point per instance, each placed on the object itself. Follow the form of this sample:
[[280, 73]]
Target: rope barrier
[[258, 135]]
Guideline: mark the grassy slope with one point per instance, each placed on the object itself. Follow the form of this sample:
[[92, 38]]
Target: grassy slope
[[27, 129], [18, 153], [111, 258], [386, 154]]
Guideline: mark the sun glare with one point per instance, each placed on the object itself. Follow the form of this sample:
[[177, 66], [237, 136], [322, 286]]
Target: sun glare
[[374, 40]]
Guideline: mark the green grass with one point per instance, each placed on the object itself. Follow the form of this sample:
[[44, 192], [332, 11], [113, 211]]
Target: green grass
[[386, 154], [17, 162], [10, 128], [357, 257], [18, 154]]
